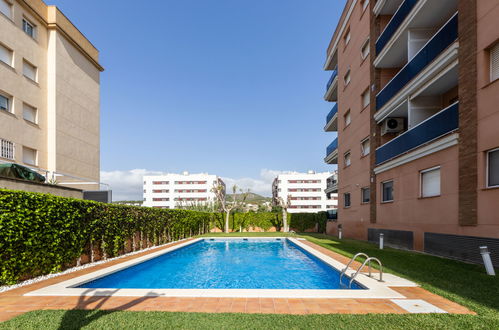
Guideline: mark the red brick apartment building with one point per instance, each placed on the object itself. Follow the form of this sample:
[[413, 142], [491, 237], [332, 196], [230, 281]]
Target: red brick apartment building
[[415, 86]]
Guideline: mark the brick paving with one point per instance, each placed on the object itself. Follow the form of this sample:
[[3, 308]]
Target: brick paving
[[13, 303]]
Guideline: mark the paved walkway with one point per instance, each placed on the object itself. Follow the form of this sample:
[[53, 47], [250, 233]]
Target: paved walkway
[[13, 303]]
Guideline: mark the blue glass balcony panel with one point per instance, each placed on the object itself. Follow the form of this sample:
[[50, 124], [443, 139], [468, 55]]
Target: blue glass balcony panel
[[332, 147], [330, 82], [434, 127], [331, 113], [440, 41], [392, 26]]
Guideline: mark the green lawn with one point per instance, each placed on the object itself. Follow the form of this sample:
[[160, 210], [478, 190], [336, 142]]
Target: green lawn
[[463, 283]]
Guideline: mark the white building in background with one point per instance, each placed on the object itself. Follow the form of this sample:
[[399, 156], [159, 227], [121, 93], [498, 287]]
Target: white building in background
[[306, 191], [172, 191]]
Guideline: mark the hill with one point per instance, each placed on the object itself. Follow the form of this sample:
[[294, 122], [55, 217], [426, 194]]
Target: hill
[[252, 198]]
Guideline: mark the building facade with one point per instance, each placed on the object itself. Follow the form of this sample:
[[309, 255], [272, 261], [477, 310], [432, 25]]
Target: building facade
[[49, 94], [415, 83], [305, 192], [175, 191]]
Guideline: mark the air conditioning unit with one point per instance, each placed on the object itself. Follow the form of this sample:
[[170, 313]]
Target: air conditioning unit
[[392, 125]]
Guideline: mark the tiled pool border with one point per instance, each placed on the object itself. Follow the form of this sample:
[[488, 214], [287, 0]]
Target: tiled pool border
[[375, 289]]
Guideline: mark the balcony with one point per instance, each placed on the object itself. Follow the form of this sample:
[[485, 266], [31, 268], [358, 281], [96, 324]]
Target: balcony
[[332, 120], [434, 127], [392, 26], [332, 153], [331, 87], [332, 184], [430, 51]]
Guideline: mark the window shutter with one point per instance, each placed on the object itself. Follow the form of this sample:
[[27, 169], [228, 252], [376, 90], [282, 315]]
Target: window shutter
[[430, 183], [494, 63], [29, 71], [29, 156], [29, 113], [5, 55], [6, 8]]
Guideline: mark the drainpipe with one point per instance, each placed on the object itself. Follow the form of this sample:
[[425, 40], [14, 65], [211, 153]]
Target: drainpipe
[[484, 251]]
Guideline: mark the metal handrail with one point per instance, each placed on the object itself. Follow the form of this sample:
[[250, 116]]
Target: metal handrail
[[368, 260], [352, 260]]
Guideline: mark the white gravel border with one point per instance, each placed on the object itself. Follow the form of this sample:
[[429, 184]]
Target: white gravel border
[[85, 266]]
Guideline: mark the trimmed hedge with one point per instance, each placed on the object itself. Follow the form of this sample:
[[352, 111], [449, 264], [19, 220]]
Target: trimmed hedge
[[263, 220], [307, 221], [42, 233]]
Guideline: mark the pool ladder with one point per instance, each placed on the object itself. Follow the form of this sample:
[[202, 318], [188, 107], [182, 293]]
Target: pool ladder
[[368, 262]]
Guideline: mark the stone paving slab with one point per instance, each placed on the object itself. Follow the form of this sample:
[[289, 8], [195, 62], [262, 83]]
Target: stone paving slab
[[13, 303]]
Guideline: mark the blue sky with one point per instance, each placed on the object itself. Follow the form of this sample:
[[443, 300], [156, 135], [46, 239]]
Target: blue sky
[[229, 87]]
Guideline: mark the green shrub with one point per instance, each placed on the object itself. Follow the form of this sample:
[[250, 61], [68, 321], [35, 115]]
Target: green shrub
[[263, 220], [41, 233], [307, 221]]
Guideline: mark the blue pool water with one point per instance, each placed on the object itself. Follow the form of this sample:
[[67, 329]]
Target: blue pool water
[[228, 264]]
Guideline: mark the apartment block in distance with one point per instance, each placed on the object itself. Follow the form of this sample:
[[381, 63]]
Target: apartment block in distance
[[175, 191], [49, 94], [304, 191], [415, 86]]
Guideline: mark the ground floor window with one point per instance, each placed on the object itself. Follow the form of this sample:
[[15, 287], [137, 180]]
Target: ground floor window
[[387, 191], [346, 200], [493, 168], [430, 182], [365, 195]]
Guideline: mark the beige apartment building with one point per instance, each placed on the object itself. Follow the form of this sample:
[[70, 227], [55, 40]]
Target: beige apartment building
[[415, 86], [49, 94]]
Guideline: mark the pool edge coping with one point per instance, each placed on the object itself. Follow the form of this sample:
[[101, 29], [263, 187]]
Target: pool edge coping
[[374, 289]]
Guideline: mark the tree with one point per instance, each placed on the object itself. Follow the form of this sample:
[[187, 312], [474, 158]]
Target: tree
[[284, 204], [224, 205]]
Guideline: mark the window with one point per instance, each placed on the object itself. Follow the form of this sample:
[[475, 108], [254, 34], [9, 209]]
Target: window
[[494, 62], [29, 156], [4, 103], [365, 98], [30, 113], [6, 55], [387, 190], [347, 159], [365, 195], [348, 118], [346, 200], [493, 168], [29, 71], [364, 51], [365, 147], [346, 38], [430, 182], [6, 149], [6, 8], [347, 77], [29, 28]]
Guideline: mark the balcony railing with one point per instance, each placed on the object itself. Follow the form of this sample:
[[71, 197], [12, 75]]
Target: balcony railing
[[332, 147], [333, 75], [436, 45], [331, 113], [392, 26], [432, 128]]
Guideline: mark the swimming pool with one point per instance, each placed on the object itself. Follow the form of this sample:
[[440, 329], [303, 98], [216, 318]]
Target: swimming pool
[[229, 264], [202, 267]]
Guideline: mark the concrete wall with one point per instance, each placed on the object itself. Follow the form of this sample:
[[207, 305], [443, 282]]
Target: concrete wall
[[14, 184]]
